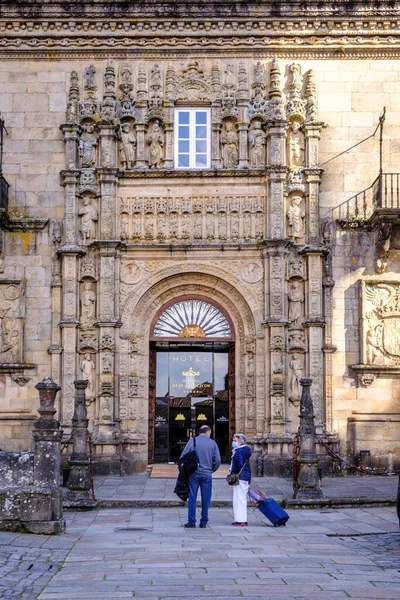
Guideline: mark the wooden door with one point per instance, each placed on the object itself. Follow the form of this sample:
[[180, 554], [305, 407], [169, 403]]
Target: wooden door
[[231, 387], [152, 399]]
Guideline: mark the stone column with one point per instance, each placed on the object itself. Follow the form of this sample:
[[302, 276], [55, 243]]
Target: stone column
[[243, 145], [79, 494], [216, 161], [309, 484], [46, 505]]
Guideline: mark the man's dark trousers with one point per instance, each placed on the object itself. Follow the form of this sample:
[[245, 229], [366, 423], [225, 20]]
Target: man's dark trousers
[[204, 481]]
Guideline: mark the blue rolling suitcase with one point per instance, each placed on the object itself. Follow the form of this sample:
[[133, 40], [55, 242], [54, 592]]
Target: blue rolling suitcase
[[275, 513]]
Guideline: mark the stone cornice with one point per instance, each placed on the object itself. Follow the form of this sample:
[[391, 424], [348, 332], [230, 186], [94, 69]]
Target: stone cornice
[[344, 35]]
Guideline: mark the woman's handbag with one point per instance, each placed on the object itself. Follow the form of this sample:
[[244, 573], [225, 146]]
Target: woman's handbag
[[233, 478]]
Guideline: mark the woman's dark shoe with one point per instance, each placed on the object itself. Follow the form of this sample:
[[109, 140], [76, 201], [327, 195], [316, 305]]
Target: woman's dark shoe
[[203, 525], [189, 525]]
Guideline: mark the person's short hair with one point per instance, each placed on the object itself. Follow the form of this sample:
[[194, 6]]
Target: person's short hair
[[204, 429], [240, 436]]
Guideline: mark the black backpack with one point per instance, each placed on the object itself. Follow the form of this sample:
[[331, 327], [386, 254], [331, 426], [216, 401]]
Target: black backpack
[[188, 463]]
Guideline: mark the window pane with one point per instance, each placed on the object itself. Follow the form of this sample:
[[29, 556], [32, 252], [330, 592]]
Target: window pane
[[183, 160], [201, 146], [201, 160], [183, 118], [183, 146], [183, 132], [201, 118], [201, 132]]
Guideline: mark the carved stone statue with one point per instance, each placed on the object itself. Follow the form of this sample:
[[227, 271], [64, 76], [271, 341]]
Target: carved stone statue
[[155, 139], [296, 299], [296, 373], [89, 216], [257, 146], [295, 215], [128, 146], [87, 147], [88, 304], [230, 147], [296, 146], [124, 227], [87, 367]]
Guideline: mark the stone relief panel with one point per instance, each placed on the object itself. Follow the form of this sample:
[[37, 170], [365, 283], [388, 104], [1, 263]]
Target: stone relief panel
[[380, 323], [193, 218], [12, 306]]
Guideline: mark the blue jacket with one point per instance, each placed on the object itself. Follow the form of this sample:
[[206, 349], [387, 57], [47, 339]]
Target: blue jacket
[[241, 454]]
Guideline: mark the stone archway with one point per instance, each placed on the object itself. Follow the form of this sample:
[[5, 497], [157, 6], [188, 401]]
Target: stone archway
[[138, 314]]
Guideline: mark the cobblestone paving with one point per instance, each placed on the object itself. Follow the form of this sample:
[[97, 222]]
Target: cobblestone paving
[[382, 549], [25, 571], [146, 554]]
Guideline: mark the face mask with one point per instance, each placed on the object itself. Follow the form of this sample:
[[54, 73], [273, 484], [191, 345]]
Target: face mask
[[235, 444]]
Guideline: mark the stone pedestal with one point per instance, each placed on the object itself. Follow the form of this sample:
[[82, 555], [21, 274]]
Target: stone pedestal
[[308, 480], [79, 494]]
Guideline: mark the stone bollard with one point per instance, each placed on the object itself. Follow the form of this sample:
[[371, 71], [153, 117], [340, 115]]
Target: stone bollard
[[309, 484], [79, 493], [43, 502]]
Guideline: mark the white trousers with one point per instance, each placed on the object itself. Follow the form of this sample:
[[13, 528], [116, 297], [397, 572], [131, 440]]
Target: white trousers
[[240, 502]]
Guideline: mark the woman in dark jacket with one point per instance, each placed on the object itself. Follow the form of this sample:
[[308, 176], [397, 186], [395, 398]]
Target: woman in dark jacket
[[240, 464]]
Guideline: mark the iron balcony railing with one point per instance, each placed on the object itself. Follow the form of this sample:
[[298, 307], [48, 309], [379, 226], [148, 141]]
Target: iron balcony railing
[[3, 193], [383, 193]]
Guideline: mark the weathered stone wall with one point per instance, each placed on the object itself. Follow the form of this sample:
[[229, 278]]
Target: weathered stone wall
[[351, 94]]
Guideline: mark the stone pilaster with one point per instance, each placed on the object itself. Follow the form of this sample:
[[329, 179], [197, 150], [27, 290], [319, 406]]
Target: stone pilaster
[[107, 321], [107, 213], [216, 160], [141, 109], [313, 179], [315, 323], [70, 181], [243, 142], [169, 135]]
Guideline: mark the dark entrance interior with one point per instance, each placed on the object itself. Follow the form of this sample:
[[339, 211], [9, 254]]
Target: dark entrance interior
[[191, 384]]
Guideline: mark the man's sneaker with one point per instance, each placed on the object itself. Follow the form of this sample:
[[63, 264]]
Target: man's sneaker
[[189, 525], [203, 525], [237, 524]]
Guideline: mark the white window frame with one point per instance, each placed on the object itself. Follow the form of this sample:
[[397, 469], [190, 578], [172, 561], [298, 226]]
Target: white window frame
[[192, 138]]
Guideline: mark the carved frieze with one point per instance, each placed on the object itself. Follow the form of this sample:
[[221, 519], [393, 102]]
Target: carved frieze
[[202, 218]]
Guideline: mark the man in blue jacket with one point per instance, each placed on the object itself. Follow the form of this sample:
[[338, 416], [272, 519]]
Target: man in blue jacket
[[209, 462]]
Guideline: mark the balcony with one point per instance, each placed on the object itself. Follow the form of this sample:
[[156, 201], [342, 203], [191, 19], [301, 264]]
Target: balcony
[[380, 201]]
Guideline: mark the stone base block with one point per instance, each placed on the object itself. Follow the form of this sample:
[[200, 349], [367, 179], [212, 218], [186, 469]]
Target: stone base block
[[80, 499], [116, 464], [35, 509]]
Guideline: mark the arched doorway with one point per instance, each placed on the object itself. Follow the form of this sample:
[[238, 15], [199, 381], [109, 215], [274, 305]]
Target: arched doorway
[[191, 376]]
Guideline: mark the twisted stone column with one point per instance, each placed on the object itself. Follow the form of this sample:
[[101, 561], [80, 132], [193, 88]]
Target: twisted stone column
[[79, 492], [309, 484]]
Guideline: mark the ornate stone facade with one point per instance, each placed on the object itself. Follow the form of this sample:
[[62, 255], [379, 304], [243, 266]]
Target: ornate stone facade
[[130, 231]]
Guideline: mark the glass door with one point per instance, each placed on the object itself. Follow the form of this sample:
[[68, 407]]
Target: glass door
[[191, 391]]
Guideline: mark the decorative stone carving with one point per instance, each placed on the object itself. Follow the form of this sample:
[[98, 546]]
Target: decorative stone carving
[[89, 216], [87, 147], [193, 84], [276, 107], [381, 323], [229, 108], [295, 105], [382, 246], [88, 306], [230, 146], [88, 182], [295, 374], [251, 273], [132, 272], [73, 99], [87, 368], [11, 345], [296, 301], [126, 102], [55, 231], [20, 379], [257, 146], [172, 219], [295, 216], [88, 267], [127, 146], [311, 99], [296, 145], [155, 141]]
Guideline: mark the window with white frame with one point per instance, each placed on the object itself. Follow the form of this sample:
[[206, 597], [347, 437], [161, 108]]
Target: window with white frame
[[192, 138]]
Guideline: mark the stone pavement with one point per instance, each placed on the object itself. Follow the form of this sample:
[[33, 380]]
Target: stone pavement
[[145, 553], [137, 490]]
